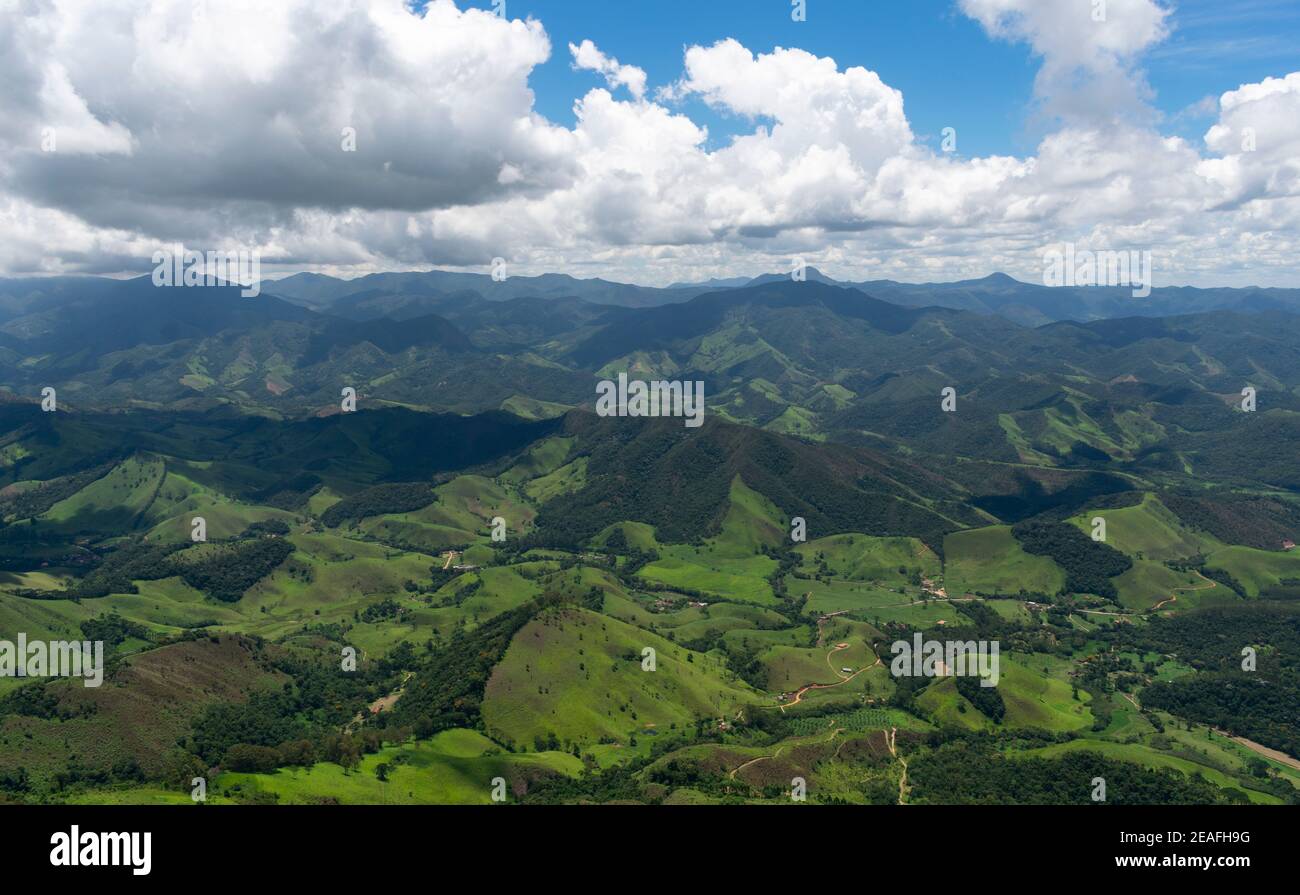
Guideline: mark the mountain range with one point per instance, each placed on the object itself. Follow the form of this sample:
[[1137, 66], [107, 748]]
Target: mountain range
[[877, 462]]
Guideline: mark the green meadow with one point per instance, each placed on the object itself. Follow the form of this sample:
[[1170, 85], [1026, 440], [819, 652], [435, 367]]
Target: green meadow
[[456, 767], [991, 561], [580, 676]]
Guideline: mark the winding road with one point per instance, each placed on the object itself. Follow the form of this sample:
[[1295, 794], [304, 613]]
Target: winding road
[[843, 680]]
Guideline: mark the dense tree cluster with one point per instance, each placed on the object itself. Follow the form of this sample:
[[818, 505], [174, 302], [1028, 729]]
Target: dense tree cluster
[[1267, 712], [112, 629], [977, 773], [377, 612], [679, 480], [1261, 522], [1089, 565], [291, 494], [223, 573], [228, 572], [266, 719], [986, 699], [120, 568], [399, 497], [1260, 704], [277, 527], [302, 722], [447, 690], [31, 502]]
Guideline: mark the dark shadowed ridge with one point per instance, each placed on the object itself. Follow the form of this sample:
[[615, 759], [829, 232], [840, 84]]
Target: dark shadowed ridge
[[136, 312], [320, 292], [677, 479], [389, 336], [658, 328], [391, 444]]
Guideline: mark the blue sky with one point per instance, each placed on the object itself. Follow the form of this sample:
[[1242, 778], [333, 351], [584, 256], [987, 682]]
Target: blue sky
[[467, 149], [951, 73]]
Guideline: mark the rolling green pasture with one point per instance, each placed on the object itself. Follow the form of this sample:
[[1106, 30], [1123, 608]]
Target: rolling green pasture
[[990, 560]]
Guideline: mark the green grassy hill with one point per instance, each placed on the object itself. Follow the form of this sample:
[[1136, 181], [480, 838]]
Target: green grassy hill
[[1034, 698], [455, 767], [990, 560], [115, 504], [1256, 570], [864, 558], [141, 714], [578, 675], [1148, 531], [1150, 534]]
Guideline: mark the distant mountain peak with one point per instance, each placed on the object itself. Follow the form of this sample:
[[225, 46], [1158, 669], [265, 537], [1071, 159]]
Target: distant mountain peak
[[713, 283], [998, 277], [811, 275]]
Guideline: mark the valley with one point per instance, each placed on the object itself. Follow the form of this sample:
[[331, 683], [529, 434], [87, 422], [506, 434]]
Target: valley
[[523, 660]]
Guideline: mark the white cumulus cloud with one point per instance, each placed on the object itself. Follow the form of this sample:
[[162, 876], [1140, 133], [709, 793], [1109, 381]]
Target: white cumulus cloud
[[231, 124], [588, 56]]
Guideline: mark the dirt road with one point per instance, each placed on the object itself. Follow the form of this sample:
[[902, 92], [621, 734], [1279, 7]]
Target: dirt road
[[1261, 750], [798, 697], [777, 754], [891, 739]]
